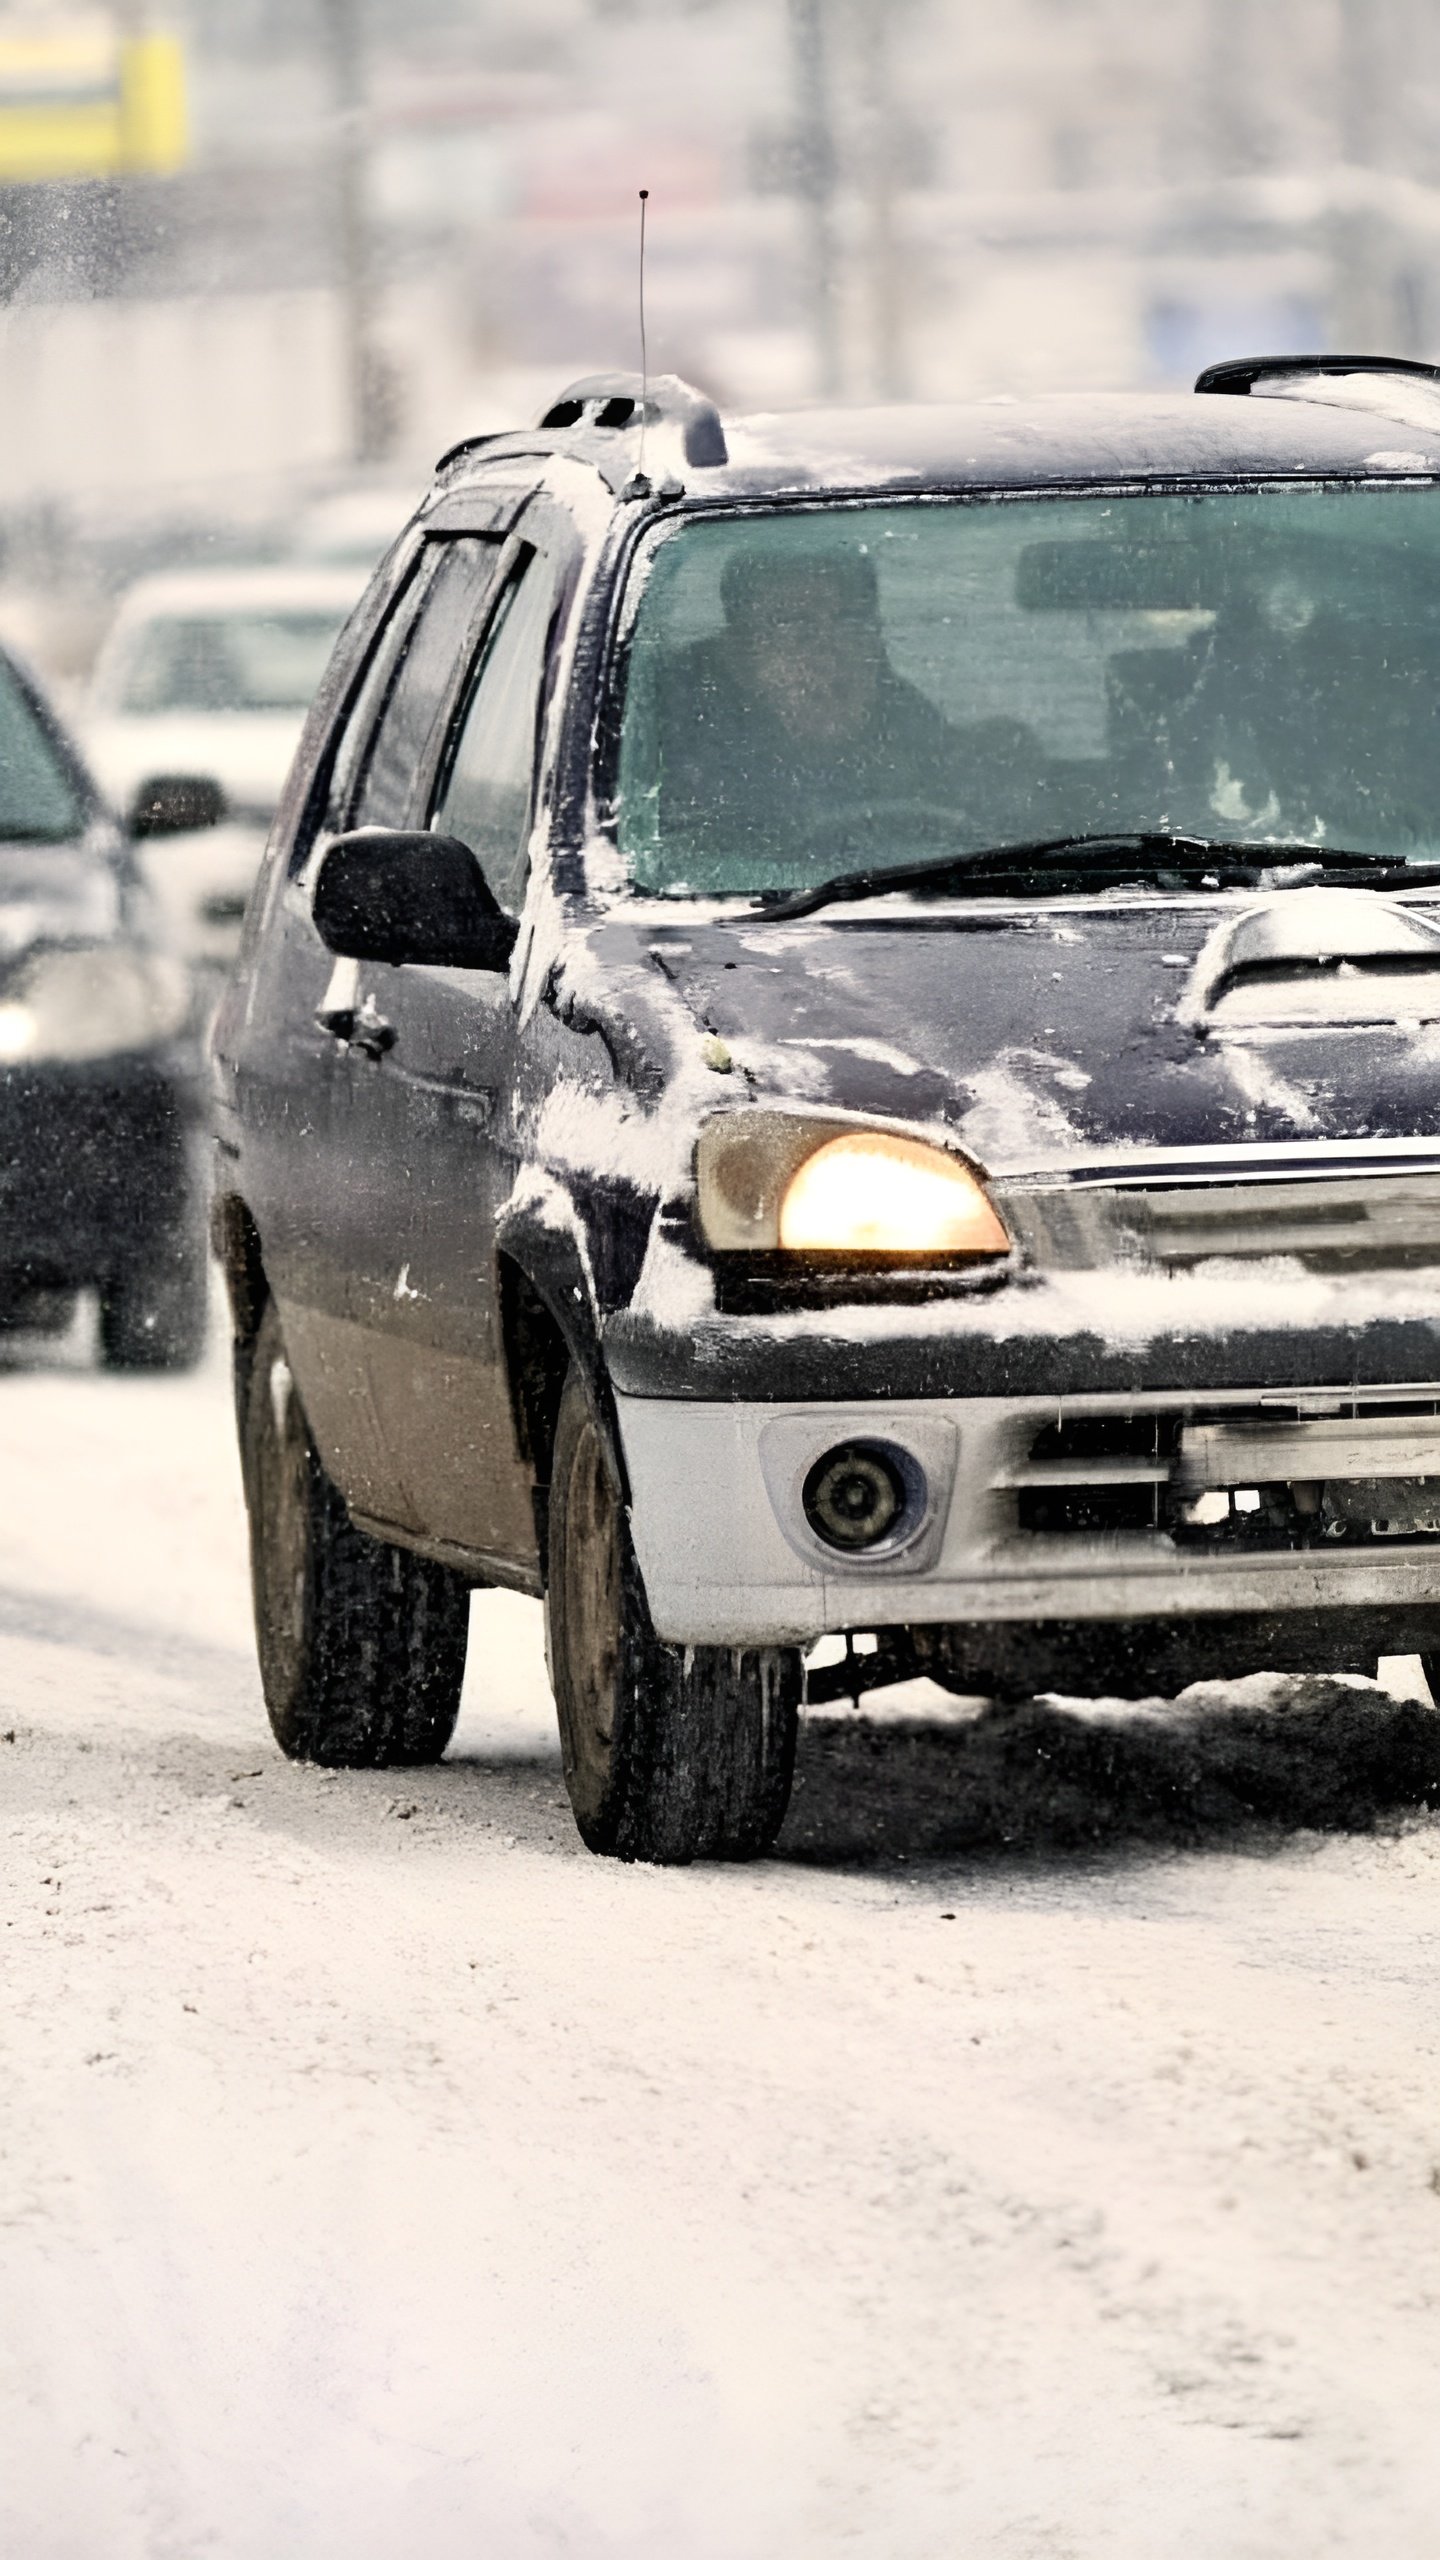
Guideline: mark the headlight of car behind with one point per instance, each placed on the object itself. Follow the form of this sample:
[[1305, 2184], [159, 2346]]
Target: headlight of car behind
[[770, 1178], [91, 1003]]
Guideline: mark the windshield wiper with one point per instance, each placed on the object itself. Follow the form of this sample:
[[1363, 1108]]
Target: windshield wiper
[[1157, 851]]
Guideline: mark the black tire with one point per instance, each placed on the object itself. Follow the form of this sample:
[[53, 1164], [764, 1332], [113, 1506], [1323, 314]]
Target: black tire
[[361, 1645], [671, 1752], [154, 1311]]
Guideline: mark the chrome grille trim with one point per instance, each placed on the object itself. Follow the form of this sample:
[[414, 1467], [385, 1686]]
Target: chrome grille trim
[[1363, 1446], [1251, 1160], [1080, 1471]]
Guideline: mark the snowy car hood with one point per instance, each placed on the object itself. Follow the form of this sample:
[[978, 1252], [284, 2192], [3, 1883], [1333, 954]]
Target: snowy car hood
[[1041, 1035]]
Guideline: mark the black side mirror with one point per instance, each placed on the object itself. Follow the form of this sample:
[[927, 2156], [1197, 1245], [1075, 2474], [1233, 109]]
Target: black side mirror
[[386, 894], [176, 804]]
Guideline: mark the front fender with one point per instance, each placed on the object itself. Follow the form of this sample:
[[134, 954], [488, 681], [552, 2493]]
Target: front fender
[[551, 1318]]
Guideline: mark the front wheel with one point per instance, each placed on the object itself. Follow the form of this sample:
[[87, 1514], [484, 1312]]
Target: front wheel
[[671, 1752], [361, 1645]]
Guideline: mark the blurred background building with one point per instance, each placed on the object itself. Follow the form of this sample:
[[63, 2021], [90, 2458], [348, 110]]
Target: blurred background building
[[276, 250]]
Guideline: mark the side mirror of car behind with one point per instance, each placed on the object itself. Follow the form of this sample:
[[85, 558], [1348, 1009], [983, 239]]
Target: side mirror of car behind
[[383, 893], [176, 804]]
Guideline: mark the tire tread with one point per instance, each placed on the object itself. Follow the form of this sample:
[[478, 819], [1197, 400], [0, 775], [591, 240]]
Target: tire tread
[[374, 1680], [704, 1738]]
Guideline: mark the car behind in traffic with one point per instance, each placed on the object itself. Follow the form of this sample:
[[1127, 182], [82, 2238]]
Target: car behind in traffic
[[838, 1041], [206, 676], [101, 1181]]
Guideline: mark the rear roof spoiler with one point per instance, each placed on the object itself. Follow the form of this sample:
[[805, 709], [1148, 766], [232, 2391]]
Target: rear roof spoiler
[[1239, 377]]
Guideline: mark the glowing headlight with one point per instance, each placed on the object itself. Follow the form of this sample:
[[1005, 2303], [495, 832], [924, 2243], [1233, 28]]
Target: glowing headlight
[[91, 1003], [807, 1183], [871, 1193]]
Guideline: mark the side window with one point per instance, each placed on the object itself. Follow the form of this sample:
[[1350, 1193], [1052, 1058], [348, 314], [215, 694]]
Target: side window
[[375, 686], [389, 772], [488, 777]]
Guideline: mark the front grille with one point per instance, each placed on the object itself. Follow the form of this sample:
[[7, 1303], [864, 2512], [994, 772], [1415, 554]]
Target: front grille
[[1276, 1474], [1329, 1220]]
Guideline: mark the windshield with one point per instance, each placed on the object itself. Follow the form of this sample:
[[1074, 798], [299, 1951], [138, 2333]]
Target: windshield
[[819, 691], [40, 800], [226, 662]]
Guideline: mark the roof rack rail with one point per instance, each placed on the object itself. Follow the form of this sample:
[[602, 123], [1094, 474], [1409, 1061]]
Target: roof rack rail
[[1239, 377], [468, 444], [602, 408], [611, 403]]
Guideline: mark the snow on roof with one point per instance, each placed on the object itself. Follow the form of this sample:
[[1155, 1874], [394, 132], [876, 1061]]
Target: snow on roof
[[1061, 435], [1047, 440]]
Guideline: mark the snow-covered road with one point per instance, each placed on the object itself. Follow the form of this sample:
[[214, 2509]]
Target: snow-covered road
[[1031, 2159]]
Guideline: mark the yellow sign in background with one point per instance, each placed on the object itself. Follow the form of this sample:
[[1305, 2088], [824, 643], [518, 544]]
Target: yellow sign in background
[[85, 103]]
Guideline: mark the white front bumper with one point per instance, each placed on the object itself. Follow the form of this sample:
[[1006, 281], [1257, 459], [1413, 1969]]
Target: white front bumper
[[728, 1558]]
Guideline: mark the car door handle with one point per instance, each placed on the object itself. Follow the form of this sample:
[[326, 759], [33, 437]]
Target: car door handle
[[359, 1026]]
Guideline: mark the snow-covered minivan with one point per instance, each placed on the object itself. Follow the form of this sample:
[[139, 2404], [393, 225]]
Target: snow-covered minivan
[[840, 1038]]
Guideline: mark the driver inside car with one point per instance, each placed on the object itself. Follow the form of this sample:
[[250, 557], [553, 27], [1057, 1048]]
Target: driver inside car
[[792, 748]]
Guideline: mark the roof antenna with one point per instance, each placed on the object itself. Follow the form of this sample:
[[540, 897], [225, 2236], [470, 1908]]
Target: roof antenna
[[640, 485]]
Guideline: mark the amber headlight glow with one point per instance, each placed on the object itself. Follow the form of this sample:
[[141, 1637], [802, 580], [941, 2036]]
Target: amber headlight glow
[[871, 1193], [809, 1185]]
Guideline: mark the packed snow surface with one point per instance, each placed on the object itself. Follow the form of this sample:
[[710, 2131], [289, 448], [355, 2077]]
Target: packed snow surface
[[1039, 2155]]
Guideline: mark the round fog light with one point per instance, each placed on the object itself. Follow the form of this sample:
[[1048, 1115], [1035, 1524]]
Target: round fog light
[[854, 1495]]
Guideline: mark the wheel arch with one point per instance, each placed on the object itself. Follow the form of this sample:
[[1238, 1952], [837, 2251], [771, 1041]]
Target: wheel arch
[[235, 1243], [549, 1324]]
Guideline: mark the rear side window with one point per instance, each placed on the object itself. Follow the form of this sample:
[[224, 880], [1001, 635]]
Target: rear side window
[[40, 801], [487, 783], [394, 758], [348, 748]]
